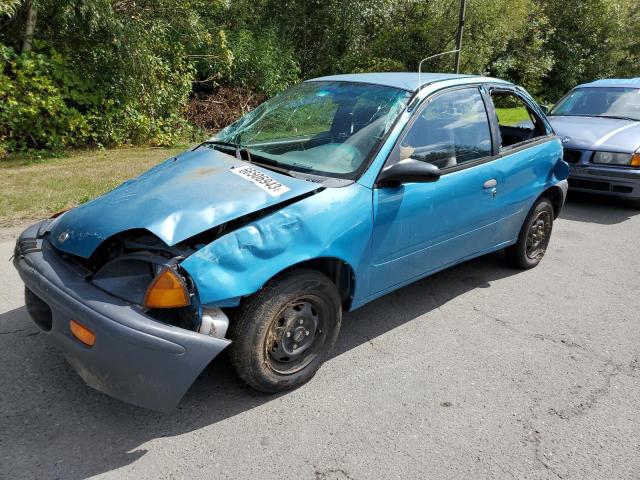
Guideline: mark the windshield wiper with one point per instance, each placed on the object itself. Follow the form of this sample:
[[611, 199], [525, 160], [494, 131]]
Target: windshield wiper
[[236, 146], [243, 153], [221, 142], [267, 163], [615, 117], [618, 117]]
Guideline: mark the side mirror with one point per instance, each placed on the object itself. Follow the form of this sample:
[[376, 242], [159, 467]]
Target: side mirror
[[545, 109], [408, 171]]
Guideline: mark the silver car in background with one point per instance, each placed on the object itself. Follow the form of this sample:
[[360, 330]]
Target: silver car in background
[[599, 124]]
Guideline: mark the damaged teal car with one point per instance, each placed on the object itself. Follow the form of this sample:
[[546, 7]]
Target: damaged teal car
[[327, 196]]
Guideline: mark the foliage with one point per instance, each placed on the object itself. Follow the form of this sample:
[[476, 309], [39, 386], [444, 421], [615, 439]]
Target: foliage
[[43, 102], [9, 7], [111, 73], [260, 63], [515, 61], [590, 41], [115, 72]]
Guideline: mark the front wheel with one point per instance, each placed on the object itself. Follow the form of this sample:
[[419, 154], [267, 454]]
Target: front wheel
[[283, 334], [534, 236]]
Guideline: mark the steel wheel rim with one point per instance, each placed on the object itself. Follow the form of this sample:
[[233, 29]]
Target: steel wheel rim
[[538, 235], [295, 336]]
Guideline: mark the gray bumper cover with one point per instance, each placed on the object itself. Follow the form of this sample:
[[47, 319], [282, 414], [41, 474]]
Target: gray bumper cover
[[135, 358], [614, 181]]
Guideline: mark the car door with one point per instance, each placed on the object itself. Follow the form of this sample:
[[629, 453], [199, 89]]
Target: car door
[[423, 227], [527, 153]]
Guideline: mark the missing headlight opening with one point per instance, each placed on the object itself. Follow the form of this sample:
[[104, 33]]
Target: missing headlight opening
[[126, 265]]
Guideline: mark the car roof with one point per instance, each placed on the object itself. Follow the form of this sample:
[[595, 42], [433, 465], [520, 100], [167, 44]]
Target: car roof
[[403, 80], [613, 82]]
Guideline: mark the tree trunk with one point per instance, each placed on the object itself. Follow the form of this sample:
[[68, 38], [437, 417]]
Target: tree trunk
[[29, 27]]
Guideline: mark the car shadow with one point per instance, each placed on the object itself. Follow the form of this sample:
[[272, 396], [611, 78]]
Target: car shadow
[[601, 209], [54, 426]]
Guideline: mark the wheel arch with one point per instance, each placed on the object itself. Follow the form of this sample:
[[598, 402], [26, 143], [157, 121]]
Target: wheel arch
[[340, 272], [555, 195]]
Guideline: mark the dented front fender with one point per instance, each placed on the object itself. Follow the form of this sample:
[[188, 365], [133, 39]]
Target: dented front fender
[[242, 261]]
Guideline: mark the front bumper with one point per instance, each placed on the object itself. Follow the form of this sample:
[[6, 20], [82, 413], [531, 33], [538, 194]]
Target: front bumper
[[617, 181], [135, 358]]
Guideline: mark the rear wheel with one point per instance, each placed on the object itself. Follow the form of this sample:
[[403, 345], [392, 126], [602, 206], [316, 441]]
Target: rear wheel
[[283, 334], [534, 236]]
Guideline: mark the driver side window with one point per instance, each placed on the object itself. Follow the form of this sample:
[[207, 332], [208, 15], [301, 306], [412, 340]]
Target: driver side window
[[451, 130]]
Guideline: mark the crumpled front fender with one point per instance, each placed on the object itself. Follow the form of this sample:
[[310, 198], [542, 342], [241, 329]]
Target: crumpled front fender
[[135, 358], [335, 223]]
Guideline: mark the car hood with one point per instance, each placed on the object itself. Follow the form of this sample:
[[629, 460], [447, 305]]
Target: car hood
[[593, 133], [175, 200]]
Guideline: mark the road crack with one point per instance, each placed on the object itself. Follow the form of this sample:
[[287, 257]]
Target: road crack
[[609, 370], [11, 332], [544, 336], [535, 436], [332, 473]]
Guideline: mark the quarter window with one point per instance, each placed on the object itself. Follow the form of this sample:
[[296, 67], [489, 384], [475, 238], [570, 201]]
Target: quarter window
[[518, 123], [451, 130]]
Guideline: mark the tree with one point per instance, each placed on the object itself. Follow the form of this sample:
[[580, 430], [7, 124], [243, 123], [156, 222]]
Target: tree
[[30, 26], [590, 41]]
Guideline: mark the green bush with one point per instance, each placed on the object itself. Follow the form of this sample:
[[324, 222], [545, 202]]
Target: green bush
[[43, 102], [261, 63], [46, 105], [359, 63], [105, 73]]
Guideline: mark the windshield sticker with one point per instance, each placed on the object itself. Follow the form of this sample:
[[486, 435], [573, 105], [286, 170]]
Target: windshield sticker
[[261, 180]]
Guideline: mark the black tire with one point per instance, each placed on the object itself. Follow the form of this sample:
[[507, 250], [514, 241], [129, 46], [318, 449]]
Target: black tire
[[534, 236], [283, 334]]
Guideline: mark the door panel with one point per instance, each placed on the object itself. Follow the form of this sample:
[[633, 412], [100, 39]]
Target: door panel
[[526, 167], [422, 227], [472, 209], [524, 175]]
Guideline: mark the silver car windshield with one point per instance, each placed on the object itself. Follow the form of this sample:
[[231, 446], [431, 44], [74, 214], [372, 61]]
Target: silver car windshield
[[324, 128], [615, 102]]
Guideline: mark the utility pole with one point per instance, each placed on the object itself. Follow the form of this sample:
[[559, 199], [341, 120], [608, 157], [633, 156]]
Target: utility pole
[[463, 5]]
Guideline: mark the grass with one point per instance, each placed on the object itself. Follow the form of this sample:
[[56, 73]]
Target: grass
[[34, 188], [512, 116]]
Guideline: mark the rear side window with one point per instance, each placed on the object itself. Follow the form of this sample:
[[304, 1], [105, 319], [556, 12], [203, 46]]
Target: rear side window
[[518, 123], [451, 130]]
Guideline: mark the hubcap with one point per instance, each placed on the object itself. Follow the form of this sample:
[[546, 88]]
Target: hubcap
[[294, 336], [538, 235]]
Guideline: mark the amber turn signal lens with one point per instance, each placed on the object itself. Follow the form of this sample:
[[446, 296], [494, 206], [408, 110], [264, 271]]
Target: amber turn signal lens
[[82, 333], [166, 291], [635, 160]]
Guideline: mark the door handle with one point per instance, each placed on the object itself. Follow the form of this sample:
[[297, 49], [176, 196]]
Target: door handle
[[490, 186]]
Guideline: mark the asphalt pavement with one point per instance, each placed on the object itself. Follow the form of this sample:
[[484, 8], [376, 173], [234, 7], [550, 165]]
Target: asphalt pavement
[[478, 372]]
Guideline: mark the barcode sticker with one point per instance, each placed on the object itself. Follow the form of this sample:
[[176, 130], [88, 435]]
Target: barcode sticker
[[261, 180]]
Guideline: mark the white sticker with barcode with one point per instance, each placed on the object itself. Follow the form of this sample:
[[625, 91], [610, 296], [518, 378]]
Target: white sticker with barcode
[[261, 180]]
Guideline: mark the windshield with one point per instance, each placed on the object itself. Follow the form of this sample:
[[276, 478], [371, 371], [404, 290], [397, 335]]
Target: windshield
[[616, 102], [325, 128]]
